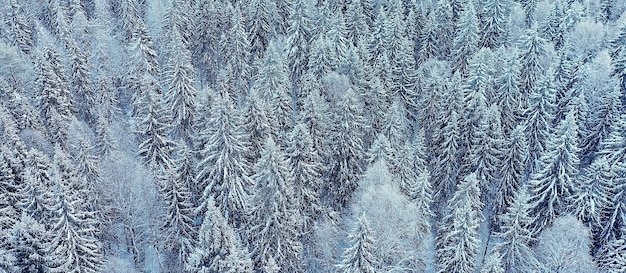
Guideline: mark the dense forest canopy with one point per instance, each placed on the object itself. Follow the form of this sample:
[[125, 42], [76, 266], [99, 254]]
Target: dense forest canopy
[[313, 136]]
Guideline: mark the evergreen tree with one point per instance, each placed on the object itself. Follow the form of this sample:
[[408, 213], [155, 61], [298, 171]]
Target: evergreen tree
[[218, 248], [356, 22], [538, 119], [509, 97], [262, 25], [155, 147], [29, 242], [19, 29], [494, 16], [180, 96], [257, 126], [513, 169], [467, 39], [276, 219], [177, 227], [306, 166], [272, 87], [35, 192], [552, 185], [347, 137], [222, 171], [82, 85], [529, 10], [516, 235], [428, 39], [601, 117], [447, 166], [493, 264], [591, 193], [298, 38], [458, 238], [359, 257], [54, 98], [105, 143], [612, 258], [532, 50], [236, 49]]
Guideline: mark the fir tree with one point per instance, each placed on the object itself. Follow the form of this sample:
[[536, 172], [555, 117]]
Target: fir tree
[[306, 166], [458, 238], [262, 25], [236, 49], [509, 97], [494, 16], [347, 138], [532, 50], [276, 219], [177, 227], [552, 185], [591, 193], [222, 171], [493, 264], [73, 244], [538, 119], [29, 242], [516, 235], [180, 96], [466, 41], [513, 169], [155, 147], [359, 257], [298, 37], [218, 248]]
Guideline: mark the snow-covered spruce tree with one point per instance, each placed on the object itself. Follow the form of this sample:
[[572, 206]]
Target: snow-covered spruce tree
[[509, 97], [337, 41], [256, 125], [29, 240], [493, 264], [618, 55], [356, 22], [428, 39], [298, 37], [348, 129], [512, 171], [446, 165], [81, 85], [276, 218], [177, 228], [421, 194], [21, 32], [104, 142], [155, 146], [445, 28], [235, 48], [272, 86], [54, 98], [601, 118], [223, 170], [411, 162], [306, 166], [35, 192], [530, 7], [262, 26], [612, 257], [551, 186], [467, 38], [359, 257], [532, 49], [494, 19], [218, 247], [180, 96], [395, 127], [381, 150], [319, 59], [538, 119], [9, 194], [486, 154], [516, 235], [458, 238], [73, 245], [613, 148], [475, 92], [591, 194]]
